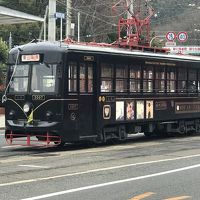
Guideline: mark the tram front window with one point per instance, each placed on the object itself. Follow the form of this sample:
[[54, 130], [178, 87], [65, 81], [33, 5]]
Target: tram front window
[[19, 82], [43, 78]]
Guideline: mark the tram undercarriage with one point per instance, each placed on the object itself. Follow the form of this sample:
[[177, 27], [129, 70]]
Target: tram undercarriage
[[178, 127]]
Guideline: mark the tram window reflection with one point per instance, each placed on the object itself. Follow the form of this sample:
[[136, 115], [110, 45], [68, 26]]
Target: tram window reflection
[[72, 77], [20, 79], [135, 78], [106, 77], [148, 79]]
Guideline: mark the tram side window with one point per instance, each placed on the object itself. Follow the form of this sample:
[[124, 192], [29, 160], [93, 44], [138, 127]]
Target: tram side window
[[192, 80], [72, 77], [182, 80], [90, 78], [171, 80], [148, 79], [198, 80], [86, 77], [106, 77], [135, 78], [121, 78], [82, 77], [160, 79]]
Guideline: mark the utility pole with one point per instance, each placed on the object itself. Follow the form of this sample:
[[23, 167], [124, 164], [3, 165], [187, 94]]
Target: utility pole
[[10, 41], [130, 11], [68, 18], [78, 26], [44, 25], [52, 21]]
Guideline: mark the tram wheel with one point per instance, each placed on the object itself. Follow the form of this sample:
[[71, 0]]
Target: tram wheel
[[147, 134], [60, 144]]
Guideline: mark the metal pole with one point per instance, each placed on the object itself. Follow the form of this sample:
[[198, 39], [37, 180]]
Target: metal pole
[[44, 25], [61, 28], [78, 26], [52, 21], [45, 21], [130, 12], [10, 41], [45, 32], [68, 18]]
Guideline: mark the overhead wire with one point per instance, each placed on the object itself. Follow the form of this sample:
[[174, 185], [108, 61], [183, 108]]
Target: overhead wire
[[163, 12]]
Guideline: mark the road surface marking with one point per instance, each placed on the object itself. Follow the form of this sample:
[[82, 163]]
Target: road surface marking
[[179, 198], [112, 183], [94, 170], [142, 196], [33, 166]]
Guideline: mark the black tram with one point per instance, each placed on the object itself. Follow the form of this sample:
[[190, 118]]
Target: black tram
[[70, 93]]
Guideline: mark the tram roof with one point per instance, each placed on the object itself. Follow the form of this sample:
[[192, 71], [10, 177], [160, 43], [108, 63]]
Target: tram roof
[[10, 16], [63, 47], [124, 51]]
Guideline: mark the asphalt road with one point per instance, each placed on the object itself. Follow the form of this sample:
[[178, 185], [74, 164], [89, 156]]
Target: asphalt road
[[150, 169]]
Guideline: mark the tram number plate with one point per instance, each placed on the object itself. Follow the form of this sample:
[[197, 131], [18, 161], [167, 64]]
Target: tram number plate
[[161, 105], [19, 97], [38, 97]]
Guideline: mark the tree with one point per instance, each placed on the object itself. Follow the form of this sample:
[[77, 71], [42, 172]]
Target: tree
[[98, 22], [3, 60], [3, 52]]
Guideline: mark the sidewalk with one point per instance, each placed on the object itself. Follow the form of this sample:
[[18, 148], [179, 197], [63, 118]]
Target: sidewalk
[[2, 121]]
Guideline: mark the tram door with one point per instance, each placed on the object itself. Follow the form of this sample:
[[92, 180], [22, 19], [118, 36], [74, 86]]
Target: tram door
[[86, 100]]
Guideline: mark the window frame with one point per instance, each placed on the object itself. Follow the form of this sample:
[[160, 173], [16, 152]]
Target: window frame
[[73, 78], [147, 79], [160, 79], [123, 78], [86, 80], [192, 81], [136, 79], [182, 80], [171, 81], [104, 78]]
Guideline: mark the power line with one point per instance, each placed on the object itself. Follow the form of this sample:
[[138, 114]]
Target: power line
[[89, 14]]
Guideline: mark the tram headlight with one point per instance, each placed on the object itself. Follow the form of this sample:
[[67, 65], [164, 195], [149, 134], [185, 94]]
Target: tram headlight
[[26, 108]]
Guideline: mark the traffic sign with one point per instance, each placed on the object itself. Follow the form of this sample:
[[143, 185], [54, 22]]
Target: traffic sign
[[170, 44], [171, 36], [182, 36], [59, 15]]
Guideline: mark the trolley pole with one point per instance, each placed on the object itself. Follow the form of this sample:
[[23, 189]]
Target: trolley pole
[[68, 18]]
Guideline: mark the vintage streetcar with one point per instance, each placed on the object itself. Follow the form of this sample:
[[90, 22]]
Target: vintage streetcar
[[67, 93]]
